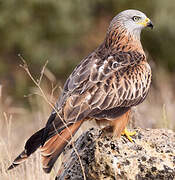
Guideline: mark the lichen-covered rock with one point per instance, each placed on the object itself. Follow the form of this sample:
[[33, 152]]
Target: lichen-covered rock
[[150, 156]]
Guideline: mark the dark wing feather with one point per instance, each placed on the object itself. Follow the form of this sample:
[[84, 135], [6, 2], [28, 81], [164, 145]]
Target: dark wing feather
[[95, 85]]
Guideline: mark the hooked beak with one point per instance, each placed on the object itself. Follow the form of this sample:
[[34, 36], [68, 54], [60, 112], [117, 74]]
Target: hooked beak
[[150, 24], [147, 23]]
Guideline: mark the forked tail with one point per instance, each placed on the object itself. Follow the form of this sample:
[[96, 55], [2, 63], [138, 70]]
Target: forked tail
[[52, 148]]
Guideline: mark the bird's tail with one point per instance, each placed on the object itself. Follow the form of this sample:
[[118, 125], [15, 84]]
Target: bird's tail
[[51, 149]]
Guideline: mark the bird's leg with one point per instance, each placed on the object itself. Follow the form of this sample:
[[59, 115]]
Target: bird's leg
[[128, 134], [119, 126]]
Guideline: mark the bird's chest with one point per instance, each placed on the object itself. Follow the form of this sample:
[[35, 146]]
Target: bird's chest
[[133, 82]]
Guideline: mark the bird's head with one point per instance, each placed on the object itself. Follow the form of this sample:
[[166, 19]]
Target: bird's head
[[132, 21]]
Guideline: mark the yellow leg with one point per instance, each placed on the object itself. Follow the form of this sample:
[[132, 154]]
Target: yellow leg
[[128, 134]]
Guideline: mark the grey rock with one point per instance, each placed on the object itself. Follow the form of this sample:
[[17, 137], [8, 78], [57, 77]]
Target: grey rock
[[151, 155]]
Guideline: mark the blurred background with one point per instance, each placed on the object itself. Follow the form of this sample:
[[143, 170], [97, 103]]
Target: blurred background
[[63, 33]]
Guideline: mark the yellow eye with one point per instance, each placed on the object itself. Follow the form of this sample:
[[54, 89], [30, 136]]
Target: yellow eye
[[136, 18]]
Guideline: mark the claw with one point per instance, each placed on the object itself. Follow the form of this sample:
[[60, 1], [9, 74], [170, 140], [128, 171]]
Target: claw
[[128, 134]]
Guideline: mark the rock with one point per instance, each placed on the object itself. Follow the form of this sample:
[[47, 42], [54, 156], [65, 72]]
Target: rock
[[150, 156]]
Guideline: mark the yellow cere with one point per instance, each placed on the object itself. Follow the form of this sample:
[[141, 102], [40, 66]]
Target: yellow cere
[[144, 22]]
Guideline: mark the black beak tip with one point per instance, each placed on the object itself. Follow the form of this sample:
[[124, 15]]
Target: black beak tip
[[150, 24]]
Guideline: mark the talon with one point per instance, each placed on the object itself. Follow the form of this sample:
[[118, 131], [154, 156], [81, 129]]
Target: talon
[[128, 134]]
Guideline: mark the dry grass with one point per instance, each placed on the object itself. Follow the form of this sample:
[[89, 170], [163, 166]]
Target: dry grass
[[18, 123], [48, 99]]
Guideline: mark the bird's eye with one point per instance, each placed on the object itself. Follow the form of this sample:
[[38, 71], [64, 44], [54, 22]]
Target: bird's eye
[[136, 18]]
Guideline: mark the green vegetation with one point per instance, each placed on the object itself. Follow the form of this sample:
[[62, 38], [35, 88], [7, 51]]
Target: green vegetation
[[63, 32]]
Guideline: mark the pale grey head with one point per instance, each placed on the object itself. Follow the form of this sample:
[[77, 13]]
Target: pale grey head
[[133, 21]]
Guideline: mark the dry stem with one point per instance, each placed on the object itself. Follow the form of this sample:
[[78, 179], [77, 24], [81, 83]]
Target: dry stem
[[25, 67]]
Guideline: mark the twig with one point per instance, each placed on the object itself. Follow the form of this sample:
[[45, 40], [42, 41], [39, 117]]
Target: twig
[[25, 67], [52, 92], [42, 72]]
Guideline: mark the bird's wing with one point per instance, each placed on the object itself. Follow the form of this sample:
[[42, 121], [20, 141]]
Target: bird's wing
[[100, 84]]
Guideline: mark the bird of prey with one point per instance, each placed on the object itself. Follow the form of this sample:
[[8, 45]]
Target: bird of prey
[[104, 86]]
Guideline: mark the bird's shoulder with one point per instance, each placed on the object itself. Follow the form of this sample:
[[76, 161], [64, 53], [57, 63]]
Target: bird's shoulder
[[99, 65], [96, 69]]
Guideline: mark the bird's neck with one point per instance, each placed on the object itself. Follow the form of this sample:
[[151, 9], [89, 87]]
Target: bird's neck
[[123, 41]]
